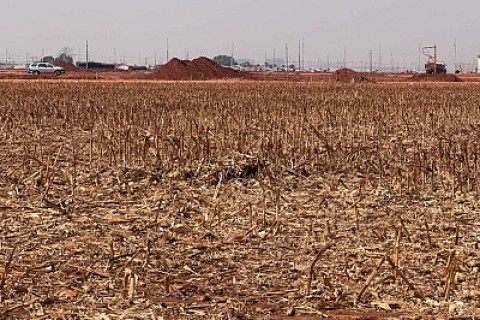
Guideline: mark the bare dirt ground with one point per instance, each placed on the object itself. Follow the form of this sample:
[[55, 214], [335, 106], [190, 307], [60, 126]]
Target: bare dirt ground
[[238, 201], [252, 76]]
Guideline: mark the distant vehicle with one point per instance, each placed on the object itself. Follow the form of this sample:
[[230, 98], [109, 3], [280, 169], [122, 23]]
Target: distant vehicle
[[122, 67], [438, 67], [433, 66], [45, 68]]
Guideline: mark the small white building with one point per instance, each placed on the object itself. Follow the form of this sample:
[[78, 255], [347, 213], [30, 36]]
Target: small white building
[[478, 63]]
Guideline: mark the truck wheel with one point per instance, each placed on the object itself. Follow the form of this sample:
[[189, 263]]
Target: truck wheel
[[58, 73]]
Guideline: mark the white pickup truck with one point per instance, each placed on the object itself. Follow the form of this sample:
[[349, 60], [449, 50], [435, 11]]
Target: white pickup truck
[[38, 68]]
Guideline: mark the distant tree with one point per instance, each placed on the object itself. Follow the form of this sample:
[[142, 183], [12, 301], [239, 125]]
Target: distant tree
[[246, 64], [48, 59], [225, 60], [65, 55], [278, 62]]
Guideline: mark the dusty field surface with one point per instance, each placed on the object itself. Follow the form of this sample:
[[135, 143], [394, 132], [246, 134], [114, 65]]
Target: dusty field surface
[[239, 201], [174, 72], [22, 74]]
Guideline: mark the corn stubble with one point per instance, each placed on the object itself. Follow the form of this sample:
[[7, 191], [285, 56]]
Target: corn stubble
[[237, 200]]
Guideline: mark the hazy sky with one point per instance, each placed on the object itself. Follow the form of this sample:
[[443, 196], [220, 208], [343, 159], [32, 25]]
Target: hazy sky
[[209, 27]]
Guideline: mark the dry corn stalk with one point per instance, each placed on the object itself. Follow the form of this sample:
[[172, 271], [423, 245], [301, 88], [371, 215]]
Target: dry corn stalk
[[429, 238], [396, 248], [457, 235], [418, 293], [405, 230], [450, 275], [372, 276], [312, 266], [130, 281], [167, 285], [8, 265]]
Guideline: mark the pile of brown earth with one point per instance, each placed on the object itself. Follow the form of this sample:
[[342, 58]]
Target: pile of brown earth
[[435, 78], [65, 65], [346, 75], [198, 69]]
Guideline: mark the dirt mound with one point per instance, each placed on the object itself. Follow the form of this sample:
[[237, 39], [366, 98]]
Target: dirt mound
[[65, 65], [198, 69], [347, 76], [435, 78]]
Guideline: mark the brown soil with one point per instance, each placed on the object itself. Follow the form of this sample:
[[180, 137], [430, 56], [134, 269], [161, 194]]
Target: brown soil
[[81, 74], [198, 69], [436, 78], [348, 76], [65, 65], [348, 314]]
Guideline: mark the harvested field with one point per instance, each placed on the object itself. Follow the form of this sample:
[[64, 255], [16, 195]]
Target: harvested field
[[239, 200]]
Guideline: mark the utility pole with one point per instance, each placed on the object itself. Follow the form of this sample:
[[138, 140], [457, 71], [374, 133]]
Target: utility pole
[[455, 54], [344, 57], [419, 58], [155, 58], [391, 60], [114, 56], [168, 59], [299, 55], [86, 54], [303, 54], [6, 57], [274, 62], [478, 63], [370, 56], [380, 66], [286, 56], [328, 62], [233, 54]]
